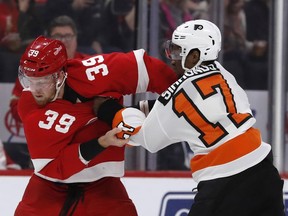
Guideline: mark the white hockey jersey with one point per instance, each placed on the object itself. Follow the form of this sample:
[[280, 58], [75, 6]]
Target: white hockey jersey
[[209, 110]]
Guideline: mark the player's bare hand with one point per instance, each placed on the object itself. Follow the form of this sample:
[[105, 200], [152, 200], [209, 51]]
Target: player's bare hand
[[110, 139]]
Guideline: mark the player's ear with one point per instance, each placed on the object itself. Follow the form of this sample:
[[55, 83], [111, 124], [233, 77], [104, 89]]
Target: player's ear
[[192, 58], [60, 78], [195, 56], [58, 83]]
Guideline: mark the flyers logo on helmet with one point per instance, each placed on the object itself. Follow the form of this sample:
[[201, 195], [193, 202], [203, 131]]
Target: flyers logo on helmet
[[33, 53], [200, 27]]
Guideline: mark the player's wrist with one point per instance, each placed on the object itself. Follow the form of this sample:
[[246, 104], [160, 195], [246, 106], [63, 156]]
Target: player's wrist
[[108, 110], [103, 142], [90, 149]]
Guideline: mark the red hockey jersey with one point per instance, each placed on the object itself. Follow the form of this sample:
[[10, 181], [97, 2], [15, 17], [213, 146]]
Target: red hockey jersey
[[54, 133]]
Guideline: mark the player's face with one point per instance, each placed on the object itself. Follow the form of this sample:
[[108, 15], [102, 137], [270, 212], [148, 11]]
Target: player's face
[[177, 67], [173, 52], [43, 89]]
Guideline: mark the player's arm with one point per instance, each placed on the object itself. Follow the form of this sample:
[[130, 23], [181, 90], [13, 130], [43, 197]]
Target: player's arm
[[140, 130], [119, 74], [106, 108], [75, 157], [89, 150]]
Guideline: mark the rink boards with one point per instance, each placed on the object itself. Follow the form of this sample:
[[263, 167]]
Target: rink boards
[[154, 194]]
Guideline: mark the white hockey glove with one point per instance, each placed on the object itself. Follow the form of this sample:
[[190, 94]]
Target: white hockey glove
[[129, 120]]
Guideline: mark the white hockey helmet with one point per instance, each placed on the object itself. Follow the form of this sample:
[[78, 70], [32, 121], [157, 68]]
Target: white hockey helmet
[[198, 34]]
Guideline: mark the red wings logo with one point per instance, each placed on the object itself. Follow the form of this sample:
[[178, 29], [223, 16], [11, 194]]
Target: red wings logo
[[57, 50]]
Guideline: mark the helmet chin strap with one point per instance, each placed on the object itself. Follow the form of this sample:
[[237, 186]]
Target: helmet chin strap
[[59, 86]]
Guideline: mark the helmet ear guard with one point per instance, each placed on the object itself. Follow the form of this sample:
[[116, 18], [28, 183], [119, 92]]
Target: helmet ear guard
[[198, 34]]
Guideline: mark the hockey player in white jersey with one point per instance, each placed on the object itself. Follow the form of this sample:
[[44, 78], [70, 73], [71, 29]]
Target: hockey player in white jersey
[[211, 112]]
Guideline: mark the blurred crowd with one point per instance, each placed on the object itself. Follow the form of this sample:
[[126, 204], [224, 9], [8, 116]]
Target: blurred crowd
[[105, 26]]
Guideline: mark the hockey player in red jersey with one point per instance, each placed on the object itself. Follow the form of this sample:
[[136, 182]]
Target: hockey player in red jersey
[[73, 173], [62, 28], [208, 109]]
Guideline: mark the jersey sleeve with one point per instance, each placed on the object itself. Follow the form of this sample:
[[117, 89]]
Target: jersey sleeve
[[152, 135], [119, 74], [26, 104], [17, 89]]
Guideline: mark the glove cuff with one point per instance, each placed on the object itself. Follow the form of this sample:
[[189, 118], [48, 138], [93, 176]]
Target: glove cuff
[[108, 110], [129, 120]]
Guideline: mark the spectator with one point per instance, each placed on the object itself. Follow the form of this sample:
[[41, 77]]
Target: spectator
[[198, 9], [9, 36], [20, 22], [234, 39], [258, 35], [121, 38], [63, 28], [172, 14], [9, 45], [30, 21], [88, 17], [49, 107]]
